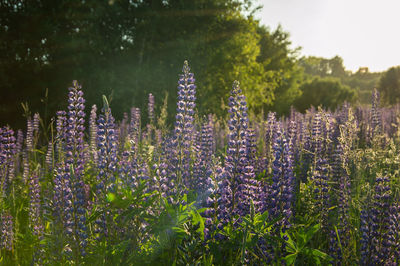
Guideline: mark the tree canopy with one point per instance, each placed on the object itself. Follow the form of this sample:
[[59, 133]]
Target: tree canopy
[[127, 49], [389, 85], [326, 92]]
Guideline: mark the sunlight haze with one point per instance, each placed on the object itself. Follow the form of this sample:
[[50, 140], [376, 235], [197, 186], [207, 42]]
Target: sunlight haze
[[363, 32]]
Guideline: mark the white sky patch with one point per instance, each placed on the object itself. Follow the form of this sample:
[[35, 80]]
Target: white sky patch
[[362, 32]]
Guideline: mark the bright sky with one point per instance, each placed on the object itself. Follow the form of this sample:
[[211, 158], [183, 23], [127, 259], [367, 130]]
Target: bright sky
[[362, 32]]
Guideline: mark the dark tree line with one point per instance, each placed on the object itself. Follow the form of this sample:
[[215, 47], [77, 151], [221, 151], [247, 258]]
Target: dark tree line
[[125, 49]]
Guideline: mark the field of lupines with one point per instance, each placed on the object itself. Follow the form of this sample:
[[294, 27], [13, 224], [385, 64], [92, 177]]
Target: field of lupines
[[315, 188]]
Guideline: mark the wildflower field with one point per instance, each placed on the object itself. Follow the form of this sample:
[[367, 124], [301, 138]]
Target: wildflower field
[[319, 188]]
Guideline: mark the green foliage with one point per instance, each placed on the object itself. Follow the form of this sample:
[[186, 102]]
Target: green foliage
[[298, 247], [327, 92], [362, 81], [130, 48], [389, 85], [281, 67]]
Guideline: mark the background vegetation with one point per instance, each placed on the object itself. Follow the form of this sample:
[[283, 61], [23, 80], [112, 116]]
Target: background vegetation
[[127, 49]]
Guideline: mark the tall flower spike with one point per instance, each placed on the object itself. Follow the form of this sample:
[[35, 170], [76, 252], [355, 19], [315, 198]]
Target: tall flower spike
[[35, 205], [135, 128], [107, 162], [394, 233], [49, 156], [282, 192], [202, 167], [381, 220], [341, 178], [18, 150], [375, 113], [151, 108], [6, 231], [93, 132], [184, 125], [29, 135], [236, 184], [74, 166], [7, 157], [367, 246], [61, 128]]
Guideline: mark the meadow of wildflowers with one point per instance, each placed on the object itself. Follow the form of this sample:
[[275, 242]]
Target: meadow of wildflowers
[[320, 188]]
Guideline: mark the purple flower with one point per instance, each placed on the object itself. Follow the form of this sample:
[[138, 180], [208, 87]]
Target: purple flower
[[376, 121], [179, 165], [74, 162], [282, 189], [35, 205], [49, 156], [236, 185], [93, 132], [135, 128], [202, 168], [150, 108], [6, 231], [7, 157]]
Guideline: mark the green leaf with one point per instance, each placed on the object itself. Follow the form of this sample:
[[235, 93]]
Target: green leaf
[[291, 244], [311, 232], [338, 238], [110, 197], [290, 259], [320, 254], [197, 219], [105, 103]]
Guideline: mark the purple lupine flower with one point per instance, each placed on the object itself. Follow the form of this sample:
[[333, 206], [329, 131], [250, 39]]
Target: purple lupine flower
[[135, 128], [18, 149], [269, 141], [107, 152], [292, 139], [162, 176], [282, 190], [202, 167], [61, 127], [182, 137], [7, 157], [49, 156], [127, 169], [340, 177], [316, 133], [29, 135], [329, 136], [62, 198], [150, 124], [394, 234], [6, 231], [93, 132], [321, 191], [35, 123], [381, 220], [35, 207], [376, 121], [150, 108], [236, 184], [251, 146], [107, 163], [74, 161], [366, 243]]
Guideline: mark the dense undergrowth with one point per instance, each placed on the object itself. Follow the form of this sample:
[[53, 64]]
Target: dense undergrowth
[[314, 188]]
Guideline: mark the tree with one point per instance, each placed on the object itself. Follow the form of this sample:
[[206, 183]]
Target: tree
[[389, 85], [131, 48], [280, 64], [327, 92], [323, 67]]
